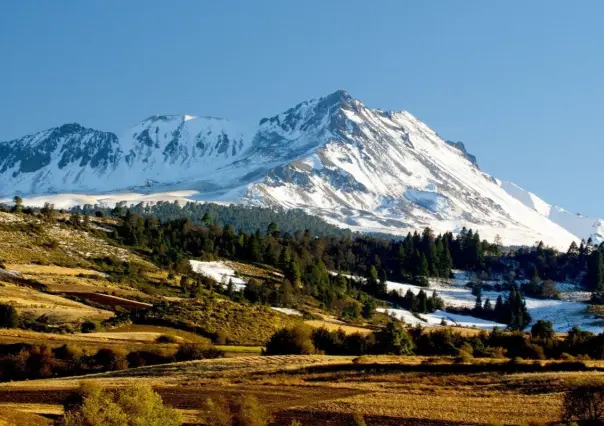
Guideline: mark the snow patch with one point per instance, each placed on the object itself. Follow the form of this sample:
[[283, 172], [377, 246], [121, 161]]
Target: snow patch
[[287, 311], [219, 272]]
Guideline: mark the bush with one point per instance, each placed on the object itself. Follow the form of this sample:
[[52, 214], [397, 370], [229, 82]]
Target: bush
[[251, 413], [585, 404], [111, 359], [291, 341], [89, 326], [142, 358], [358, 419], [543, 330], [9, 318], [217, 412], [136, 405], [222, 337], [464, 357], [194, 351], [394, 339], [166, 338]]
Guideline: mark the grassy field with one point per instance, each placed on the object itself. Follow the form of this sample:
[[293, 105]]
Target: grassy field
[[323, 390], [33, 303], [335, 326], [47, 265], [243, 324], [28, 240]]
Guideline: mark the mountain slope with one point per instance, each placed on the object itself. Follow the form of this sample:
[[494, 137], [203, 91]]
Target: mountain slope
[[582, 226], [358, 167]]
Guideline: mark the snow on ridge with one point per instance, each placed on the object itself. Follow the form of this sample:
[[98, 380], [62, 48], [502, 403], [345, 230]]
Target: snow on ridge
[[583, 227]]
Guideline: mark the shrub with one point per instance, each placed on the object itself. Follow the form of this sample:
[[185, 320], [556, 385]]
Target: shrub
[[464, 357], [358, 419], [111, 359], [9, 318], [533, 351], [166, 338], [89, 326], [543, 330], [217, 412], [69, 352], [567, 357], [142, 358], [221, 338], [295, 341], [251, 413], [496, 352], [585, 404], [394, 339], [193, 351], [136, 405]]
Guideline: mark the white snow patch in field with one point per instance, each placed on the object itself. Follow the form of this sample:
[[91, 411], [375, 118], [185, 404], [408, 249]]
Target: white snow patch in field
[[563, 314], [287, 311], [219, 272], [436, 318]]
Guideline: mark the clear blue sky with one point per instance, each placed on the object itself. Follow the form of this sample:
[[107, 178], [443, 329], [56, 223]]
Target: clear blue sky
[[521, 83]]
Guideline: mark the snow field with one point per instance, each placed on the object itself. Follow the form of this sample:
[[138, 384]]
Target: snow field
[[563, 314], [218, 271]]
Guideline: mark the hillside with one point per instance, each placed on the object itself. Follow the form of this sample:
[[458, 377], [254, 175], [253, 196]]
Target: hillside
[[119, 300], [356, 167]]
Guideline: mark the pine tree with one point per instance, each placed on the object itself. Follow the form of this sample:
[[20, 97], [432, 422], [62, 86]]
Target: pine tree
[[18, 205], [284, 258], [478, 305], [437, 302], [230, 289], [595, 271], [423, 270], [206, 219], [253, 249], [410, 301], [375, 285], [292, 272], [9, 318], [422, 302], [273, 229], [499, 311], [368, 308], [446, 261], [488, 307], [517, 314]]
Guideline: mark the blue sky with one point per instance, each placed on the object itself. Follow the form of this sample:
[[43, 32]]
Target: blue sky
[[521, 83]]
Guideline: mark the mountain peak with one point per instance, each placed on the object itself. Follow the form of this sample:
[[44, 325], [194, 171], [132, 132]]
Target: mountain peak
[[341, 96]]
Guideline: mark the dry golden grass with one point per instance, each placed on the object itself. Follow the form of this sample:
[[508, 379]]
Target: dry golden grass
[[331, 326], [23, 415], [28, 240], [146, 333], [33, 303], [35, 270], [385, 389]]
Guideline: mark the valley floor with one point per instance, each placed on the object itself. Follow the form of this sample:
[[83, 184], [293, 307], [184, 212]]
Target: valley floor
[[328, 390]]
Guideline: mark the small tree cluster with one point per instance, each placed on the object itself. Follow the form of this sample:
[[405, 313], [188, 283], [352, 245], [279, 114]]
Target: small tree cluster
[[133, 406]]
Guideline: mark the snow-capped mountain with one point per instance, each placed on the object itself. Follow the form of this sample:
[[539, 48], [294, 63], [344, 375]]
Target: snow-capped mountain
[[166, 149], [363, 168]]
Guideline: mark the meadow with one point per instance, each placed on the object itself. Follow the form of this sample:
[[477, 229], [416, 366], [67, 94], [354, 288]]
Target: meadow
[[328, 390]]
